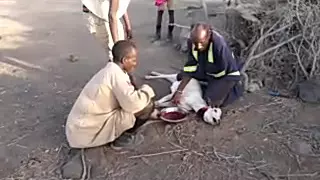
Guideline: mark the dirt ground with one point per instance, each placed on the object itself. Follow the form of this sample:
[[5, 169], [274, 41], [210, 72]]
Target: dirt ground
[[261, 137]]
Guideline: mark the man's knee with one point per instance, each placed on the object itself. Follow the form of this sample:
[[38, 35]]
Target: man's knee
[[222, 92], [182, 74], [146, 112]]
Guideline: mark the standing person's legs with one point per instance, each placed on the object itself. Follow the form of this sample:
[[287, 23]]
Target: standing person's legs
[[161, 7], [160, 10], [171, 19], [101, 30], [93, 22], [96, 27], [121, 36]]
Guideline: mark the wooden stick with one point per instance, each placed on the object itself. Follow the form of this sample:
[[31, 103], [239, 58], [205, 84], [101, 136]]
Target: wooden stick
[[260, 40], [84, 173], [157, 154], [297, 175], [15, 141], [269, 50]]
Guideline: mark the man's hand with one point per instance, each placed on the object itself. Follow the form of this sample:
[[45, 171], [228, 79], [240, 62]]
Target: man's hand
[[127, 24], [129, 33], [133, 81], [176, 97]]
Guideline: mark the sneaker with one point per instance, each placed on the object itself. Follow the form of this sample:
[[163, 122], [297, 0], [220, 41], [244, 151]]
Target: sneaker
[[127, 140]]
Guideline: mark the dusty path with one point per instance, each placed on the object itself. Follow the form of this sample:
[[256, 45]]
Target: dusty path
[[39, 85]]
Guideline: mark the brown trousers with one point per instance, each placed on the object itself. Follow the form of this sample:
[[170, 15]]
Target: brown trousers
[[142, 116]]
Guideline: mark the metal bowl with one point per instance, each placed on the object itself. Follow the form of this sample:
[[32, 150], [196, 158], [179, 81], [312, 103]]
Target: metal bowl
[[173, 109]]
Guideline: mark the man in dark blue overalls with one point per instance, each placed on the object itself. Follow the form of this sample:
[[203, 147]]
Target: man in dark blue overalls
[[211, 60]]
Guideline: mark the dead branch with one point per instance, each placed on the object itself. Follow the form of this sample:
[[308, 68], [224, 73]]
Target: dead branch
[[269, 50], [292, 32], [297, 175], [157, 154], [84, 166]]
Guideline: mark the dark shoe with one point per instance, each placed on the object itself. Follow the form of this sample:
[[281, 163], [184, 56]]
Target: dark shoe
[[127, 140], [169, 37], [157, 37]]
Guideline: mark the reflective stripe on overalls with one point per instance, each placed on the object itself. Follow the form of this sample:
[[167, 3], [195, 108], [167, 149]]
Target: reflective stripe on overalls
[[210, 53], [210, 60], [195, 55]]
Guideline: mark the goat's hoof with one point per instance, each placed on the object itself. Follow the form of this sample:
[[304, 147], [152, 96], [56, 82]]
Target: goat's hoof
[[154, 73], [157, 104], [148, 77]]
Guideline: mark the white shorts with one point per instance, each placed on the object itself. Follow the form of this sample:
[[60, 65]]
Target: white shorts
[[101, 29]]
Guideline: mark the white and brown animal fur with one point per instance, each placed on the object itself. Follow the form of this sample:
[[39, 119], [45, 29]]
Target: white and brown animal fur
[[191, 98]]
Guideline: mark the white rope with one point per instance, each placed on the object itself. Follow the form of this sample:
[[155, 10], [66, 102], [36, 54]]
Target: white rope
[[205, 10], [179, 25]]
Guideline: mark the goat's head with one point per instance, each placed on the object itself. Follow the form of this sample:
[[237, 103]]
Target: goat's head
[[212, 115]]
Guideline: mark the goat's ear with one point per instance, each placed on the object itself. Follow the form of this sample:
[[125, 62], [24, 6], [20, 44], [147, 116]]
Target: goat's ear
[[209, 102]]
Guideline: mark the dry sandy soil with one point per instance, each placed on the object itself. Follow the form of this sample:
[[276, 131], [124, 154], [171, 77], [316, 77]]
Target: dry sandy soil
[[261, 137]]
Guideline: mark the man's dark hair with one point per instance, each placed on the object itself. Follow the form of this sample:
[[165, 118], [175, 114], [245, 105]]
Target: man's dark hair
[[121, 49], [200, 26]]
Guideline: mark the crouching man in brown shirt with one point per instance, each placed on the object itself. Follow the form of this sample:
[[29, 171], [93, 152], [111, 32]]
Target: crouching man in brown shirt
[[110, 108]]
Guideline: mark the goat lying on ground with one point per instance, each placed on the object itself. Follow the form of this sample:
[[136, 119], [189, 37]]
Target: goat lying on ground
[[191, 98]]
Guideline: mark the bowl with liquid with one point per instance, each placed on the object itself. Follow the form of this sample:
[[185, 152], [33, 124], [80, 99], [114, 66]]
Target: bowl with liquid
[[173, 114]]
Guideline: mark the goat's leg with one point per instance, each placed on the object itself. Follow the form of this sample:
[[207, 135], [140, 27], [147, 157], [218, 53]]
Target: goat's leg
[[165, 104], [155, 73], [152, 77], [170, 77], [165, 101]]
